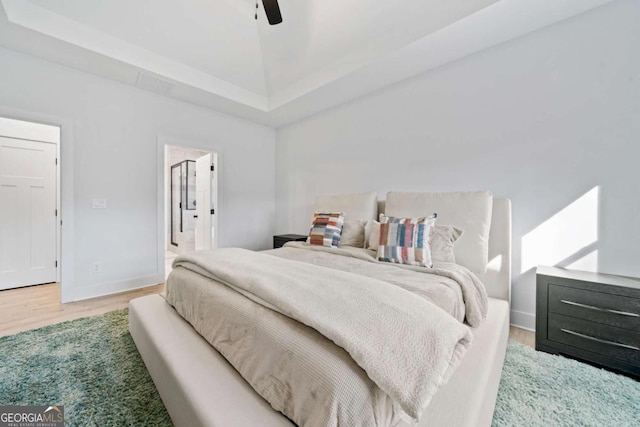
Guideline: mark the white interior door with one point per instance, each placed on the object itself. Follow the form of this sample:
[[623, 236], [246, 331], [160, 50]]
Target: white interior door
[[204, 221], [27, 212]]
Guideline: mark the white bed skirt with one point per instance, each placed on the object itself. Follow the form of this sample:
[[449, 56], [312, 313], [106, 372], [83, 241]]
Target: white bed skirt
[[200, 388]]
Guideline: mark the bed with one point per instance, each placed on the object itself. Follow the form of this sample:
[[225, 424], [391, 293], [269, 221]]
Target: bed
[[200, 388]]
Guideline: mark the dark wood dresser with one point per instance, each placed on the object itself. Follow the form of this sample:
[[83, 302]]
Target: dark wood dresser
[[281, 239], [589, 316]]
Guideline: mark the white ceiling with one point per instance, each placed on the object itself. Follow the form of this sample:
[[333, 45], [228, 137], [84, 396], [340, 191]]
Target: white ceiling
[[210, 36], [213, 53], [324, 39]]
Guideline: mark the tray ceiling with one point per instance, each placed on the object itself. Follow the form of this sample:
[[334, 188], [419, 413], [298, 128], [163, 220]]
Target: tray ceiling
[[213, 53]]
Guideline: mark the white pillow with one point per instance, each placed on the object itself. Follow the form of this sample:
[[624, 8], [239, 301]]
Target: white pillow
[[373, 239], [442, 243], [353, 233], [354, 206], [471, 211]]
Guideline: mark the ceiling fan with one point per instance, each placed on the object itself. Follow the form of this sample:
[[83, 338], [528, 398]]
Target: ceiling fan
[[272, 10]]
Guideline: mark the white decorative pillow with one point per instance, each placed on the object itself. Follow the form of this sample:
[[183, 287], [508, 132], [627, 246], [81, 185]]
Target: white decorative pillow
[[353, 233], [374, 235], [470, 211], [406, 240], [326, 229], [442, 241]]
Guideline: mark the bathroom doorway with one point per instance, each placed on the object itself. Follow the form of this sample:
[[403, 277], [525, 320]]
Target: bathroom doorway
[[191, 201]]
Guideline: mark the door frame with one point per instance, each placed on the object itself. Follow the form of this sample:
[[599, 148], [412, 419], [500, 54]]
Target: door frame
[[28, 130], [66, 241], [162, 142]]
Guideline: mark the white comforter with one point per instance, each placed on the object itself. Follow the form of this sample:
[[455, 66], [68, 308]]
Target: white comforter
[[393, 350], [450, 286]]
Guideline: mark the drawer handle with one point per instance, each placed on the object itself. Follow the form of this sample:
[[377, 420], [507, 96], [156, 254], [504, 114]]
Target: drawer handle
[[617, 344], [608, 310]]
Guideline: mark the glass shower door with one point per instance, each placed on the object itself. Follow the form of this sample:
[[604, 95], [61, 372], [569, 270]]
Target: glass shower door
[[183, 200], [176, 202]]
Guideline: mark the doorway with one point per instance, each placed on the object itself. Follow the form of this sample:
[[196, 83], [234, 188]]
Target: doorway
[[29, 203], [190, 201]]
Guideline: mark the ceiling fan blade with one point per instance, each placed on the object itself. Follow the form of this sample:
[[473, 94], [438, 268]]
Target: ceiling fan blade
[[272, 10]]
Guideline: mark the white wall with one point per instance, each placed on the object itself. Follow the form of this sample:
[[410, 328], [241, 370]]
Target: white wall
[[109, 150], [541, 120]]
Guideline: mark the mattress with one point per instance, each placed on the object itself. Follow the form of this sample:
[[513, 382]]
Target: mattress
[[200, 388]]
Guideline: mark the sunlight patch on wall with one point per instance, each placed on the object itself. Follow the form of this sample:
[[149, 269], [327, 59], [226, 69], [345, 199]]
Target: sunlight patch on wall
[[564, 234], [495, 264]]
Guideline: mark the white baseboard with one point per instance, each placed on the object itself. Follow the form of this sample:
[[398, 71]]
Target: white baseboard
[[523, 320], [79, 293]]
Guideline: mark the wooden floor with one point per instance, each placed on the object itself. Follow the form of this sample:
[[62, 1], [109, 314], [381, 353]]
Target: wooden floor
[[36, 306], [523, 336]]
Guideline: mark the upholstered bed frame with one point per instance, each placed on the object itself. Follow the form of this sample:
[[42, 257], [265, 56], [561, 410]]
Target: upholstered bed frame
[[200, 388]]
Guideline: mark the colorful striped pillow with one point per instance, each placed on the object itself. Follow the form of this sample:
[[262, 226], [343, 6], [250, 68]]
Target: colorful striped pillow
[[406, 240], [326, 229]]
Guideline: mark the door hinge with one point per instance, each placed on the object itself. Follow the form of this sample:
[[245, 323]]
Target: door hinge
[[56, 212], [213, 211], [56, 160], [56, 263], [212, 168]]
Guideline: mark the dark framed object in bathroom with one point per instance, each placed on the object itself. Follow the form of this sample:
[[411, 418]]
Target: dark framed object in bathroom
[[176, 178], [180, 176]]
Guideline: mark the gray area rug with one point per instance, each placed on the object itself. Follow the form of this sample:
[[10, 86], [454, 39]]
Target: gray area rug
[[92, 367], [540, 389]]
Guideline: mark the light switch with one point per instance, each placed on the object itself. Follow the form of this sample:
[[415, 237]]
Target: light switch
[[99, 203]]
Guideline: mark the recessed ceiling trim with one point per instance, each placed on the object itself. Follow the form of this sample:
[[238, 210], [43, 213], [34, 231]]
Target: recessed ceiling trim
[[498, 23], [41, 32], [29, 15]]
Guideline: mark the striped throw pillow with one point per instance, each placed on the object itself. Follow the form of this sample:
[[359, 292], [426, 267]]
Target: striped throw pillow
[[406, 240], [326, 229]]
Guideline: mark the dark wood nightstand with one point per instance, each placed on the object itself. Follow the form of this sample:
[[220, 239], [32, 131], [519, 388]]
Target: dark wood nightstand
[[281, 239], [589, 316]]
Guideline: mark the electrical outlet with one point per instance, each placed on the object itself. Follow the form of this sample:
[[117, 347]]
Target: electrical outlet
[[97, 267], [99, 203]]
